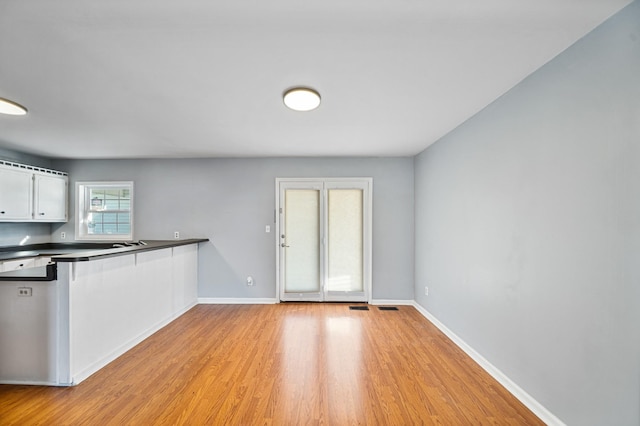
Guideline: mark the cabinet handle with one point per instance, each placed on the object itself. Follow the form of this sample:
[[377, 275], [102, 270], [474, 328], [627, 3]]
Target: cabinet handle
[[41, 214]]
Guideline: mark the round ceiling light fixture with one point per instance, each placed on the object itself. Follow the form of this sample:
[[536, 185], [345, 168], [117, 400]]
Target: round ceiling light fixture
[[11, 108], [301, 99]]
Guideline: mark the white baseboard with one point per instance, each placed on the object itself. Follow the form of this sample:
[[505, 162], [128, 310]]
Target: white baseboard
[[84, 374], [236, 301], [391, 302], [28, 382], [533, 405], [269, 301]]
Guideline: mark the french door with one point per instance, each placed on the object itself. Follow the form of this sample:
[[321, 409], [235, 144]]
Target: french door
[[324, 239]]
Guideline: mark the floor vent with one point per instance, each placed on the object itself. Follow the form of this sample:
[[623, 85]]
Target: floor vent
[[387, 308], [359, 308]]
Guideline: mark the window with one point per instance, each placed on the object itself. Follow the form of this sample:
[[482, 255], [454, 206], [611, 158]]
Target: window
[[105, 211]]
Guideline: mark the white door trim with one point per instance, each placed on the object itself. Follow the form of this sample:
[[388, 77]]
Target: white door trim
[[283, 186], [367, 227]]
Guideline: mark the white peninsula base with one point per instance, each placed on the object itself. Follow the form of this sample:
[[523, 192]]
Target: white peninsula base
[[94, 312]]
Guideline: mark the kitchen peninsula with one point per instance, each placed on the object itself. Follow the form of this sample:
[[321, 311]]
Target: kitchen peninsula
[[62, 321]]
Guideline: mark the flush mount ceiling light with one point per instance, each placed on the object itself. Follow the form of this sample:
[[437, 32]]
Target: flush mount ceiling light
[[301, 99], [11, 108]]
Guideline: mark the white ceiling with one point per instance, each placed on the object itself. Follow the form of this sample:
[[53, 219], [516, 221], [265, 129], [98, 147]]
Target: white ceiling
[[204, 78]]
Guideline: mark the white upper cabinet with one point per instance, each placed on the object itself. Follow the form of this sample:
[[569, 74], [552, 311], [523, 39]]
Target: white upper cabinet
[[50, 198], [32, 194], [16, 189]]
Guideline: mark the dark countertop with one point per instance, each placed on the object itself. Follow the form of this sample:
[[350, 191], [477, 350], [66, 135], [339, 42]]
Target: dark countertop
[[87, 255], [75, 252], [47, 249]]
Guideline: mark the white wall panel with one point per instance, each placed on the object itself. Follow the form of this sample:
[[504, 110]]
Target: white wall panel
[[117, 302]]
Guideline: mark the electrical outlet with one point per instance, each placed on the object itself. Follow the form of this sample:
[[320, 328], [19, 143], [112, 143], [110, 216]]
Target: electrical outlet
[[426, 291], [249, 280], [63, 235], [25, 291], [176, 235]]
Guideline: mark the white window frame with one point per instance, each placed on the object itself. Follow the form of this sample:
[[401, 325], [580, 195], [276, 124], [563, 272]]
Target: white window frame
[[83, 190]]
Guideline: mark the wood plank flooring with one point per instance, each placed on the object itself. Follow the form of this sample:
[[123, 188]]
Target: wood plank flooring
[[285, 364]]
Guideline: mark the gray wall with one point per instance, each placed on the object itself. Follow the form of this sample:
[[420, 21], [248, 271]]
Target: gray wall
[[20, 157], [12, 234], [230, 201], [528, 229]]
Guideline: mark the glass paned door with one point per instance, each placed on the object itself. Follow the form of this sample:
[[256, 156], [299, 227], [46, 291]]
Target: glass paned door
[[300, 241], [344, 260], [324, 249]]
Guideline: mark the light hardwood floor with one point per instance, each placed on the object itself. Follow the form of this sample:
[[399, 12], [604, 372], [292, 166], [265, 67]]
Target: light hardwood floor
[[285, 364]]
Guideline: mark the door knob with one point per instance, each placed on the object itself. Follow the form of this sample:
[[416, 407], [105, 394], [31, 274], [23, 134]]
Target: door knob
[[283, 245]]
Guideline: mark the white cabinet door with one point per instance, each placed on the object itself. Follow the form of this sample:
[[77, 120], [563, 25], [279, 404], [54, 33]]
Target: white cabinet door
[[50, 198], [16, 187]]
